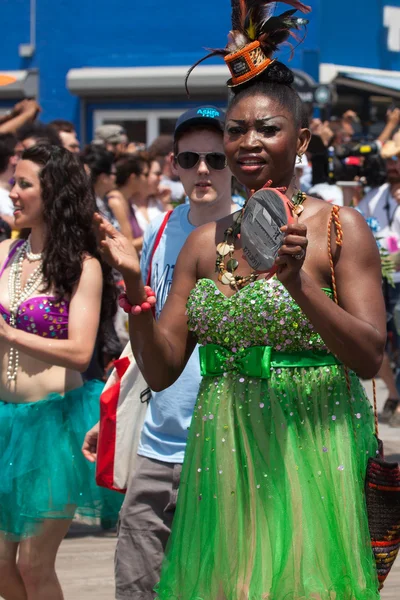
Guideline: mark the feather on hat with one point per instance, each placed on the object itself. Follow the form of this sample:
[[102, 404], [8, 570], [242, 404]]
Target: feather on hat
[[256, 34]]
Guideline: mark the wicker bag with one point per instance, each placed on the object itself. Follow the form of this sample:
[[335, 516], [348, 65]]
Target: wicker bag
[[382, 491], [382, 482]]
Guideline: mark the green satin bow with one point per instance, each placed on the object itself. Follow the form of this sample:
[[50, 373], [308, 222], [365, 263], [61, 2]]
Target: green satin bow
[[257, 361]]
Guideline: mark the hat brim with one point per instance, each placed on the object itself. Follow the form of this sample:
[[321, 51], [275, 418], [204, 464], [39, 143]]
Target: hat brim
[[230, 83], [198, 122]]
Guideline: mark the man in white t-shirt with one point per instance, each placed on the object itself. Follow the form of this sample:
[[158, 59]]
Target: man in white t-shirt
[[330, 193], [383, 203], [148, 509], [8, 161]]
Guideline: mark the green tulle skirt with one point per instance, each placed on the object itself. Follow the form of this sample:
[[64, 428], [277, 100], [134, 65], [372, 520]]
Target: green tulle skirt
[[271, 502], [43, 472]]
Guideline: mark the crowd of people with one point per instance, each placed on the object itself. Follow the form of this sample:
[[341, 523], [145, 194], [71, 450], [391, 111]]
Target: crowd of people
[[345, 168], [257, 414], [131, 187], [134, 185]]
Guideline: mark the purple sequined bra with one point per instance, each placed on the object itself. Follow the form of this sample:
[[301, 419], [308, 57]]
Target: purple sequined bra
[[42, 315]]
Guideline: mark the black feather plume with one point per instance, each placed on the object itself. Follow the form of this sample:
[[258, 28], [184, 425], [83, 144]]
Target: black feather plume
[[255, 20]]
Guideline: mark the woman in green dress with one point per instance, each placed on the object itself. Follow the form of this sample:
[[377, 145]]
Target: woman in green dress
[[271, 502]]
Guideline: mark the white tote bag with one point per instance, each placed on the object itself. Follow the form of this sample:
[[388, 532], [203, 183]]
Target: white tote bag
[[123, 406]]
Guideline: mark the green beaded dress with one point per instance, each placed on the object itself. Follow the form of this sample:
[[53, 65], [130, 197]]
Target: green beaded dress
[[271, 502]]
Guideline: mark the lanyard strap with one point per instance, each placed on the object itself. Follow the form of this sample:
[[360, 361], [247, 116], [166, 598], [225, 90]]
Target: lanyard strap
[[390, 219]]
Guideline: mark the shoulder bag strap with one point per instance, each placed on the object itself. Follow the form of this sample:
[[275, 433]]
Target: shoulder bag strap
[[157, 242], [334, 220]]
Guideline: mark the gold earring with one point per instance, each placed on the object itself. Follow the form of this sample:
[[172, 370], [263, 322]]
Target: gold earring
[[299, 159]]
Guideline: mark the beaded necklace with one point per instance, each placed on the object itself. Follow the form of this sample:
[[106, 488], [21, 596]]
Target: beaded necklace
[[31, 257], [226, 273], [17, 295]]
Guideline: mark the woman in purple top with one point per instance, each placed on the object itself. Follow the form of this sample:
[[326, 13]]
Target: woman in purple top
[[53, 292], [132, 190]]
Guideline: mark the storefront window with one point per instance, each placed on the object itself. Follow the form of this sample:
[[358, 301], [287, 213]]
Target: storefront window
[[167, 126], [135, 129], [141, 125]]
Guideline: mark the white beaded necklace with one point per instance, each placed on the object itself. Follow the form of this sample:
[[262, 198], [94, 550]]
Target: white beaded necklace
[[29, 254], [18, 295]]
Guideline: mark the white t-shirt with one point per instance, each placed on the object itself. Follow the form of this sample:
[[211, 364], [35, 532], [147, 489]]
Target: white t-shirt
[[6, 205], [153, 210], [380, 204], [176, 187], [330, 193]]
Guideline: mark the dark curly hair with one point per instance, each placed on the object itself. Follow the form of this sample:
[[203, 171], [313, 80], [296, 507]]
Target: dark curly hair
[[8, 141], [99, 160], [129, 164], [68, 209], [276, 83], [40, 132]]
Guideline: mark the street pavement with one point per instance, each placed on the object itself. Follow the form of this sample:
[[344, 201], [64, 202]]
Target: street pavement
[[85, 563]]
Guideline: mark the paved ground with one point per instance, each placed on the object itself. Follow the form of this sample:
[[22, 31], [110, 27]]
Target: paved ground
[[85, 564], [85, 561]]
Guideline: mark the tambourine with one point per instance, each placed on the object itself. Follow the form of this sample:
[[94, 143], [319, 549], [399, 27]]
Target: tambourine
[[266, 212]]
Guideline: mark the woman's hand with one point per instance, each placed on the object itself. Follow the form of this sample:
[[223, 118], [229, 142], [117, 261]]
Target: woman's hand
[[165, 195], [292, 253], [89, 448], [115, 248], [323, 130]]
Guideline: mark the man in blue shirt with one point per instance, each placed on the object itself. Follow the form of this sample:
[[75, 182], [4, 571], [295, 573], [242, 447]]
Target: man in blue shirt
[[149, 505]]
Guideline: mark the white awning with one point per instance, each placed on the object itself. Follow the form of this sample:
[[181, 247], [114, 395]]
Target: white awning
[[25, 86], [374, 81], [146, 80]]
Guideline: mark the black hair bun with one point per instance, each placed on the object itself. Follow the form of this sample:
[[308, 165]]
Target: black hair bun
[[277, 72]]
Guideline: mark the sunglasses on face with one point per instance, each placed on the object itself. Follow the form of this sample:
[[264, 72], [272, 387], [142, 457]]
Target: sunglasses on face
[[188, 160]]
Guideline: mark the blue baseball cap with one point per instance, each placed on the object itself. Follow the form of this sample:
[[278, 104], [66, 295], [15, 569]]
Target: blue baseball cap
[[202, 115]]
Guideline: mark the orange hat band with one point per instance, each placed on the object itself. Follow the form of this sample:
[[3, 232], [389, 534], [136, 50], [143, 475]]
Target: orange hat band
[[246, 63]]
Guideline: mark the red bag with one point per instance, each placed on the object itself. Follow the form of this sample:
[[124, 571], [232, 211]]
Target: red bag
[[123, 406]]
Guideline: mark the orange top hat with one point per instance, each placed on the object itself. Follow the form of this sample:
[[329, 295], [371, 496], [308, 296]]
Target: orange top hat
[[246, 63]]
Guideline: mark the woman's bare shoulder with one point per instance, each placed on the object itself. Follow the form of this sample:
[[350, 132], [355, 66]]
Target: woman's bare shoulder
[[5, 248], [317, 206], [115, 197], [348, 217]]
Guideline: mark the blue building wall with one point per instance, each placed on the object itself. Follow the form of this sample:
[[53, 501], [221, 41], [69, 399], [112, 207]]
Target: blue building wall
[[352, 32], [77, 33]]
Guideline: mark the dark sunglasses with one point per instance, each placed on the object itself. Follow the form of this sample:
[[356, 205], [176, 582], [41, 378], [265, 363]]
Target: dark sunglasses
[[188, 160]]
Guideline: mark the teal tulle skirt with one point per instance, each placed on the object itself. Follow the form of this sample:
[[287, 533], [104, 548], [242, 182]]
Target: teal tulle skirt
[[44, 474]]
